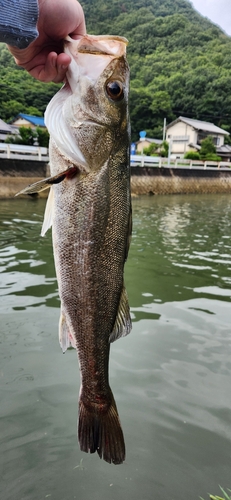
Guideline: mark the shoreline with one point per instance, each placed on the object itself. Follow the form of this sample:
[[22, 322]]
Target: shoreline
[[140, 184], [15, 175]]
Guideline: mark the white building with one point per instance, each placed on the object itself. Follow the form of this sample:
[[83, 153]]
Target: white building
[[186, 134]]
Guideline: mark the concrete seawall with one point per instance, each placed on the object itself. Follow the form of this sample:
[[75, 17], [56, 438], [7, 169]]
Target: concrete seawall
[[17, 174], [22, 168], [179, 181]]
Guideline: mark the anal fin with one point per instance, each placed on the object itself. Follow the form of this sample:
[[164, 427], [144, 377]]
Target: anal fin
[[123, 324], [66, 338], [47, 222]]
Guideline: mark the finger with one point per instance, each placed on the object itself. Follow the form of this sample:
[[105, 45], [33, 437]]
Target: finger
[[54, 69], [79, 31], [80, 28], [62, 63]]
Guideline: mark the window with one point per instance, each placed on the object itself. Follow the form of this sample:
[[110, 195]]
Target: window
[[203, 135], [180, 138]]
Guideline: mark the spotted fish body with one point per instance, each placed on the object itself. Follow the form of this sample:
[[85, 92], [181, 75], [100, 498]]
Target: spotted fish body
[[89, 208]]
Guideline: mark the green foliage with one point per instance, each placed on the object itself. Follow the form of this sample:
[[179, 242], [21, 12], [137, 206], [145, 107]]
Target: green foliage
[[26, 136], [180, 65], [164, 149], [31, 110], [151, 149], [9, 108], [216, 497], [42, 137], [212, 157], [30, 137], [207, 148], [207, 152], [227, 137], [225, 496], [192, 155], [19, 92]]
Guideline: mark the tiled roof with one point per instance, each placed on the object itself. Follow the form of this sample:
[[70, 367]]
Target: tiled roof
[[5, 128], [200, 125], [226, 148]]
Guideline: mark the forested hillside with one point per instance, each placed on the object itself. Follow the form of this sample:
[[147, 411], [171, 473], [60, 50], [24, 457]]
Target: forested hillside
[[180, 64]]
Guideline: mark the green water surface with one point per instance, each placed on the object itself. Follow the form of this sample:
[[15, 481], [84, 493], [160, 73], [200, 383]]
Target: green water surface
[[171, 376]]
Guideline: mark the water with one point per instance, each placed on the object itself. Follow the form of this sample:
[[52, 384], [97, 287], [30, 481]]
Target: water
[[171, 376]]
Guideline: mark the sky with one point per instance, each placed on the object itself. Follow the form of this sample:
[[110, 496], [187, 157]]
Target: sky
[[218, 11]]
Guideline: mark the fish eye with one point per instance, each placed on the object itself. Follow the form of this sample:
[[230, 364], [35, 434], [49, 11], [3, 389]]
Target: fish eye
[[115, 90]]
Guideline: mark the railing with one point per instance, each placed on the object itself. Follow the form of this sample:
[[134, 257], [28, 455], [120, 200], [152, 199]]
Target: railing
[[155, 161], [21, 152]]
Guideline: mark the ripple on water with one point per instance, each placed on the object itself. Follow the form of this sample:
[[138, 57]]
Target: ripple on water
[[170, 376]]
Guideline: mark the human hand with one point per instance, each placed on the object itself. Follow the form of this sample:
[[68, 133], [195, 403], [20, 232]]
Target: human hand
[[44, 58]]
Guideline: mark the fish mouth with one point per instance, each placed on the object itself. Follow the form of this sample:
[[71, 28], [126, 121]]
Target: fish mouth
[[107, 45], [90, 55]]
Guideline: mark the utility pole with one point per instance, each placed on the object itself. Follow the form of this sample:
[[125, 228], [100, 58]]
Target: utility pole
[[169, 152], [164, 130]]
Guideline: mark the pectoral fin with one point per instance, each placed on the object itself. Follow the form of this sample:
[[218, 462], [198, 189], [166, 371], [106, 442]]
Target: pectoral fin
[[123, 324], [39, 186]]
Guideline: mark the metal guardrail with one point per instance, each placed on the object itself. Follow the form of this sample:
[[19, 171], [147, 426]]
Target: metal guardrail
[[159, 162], [21, 152]]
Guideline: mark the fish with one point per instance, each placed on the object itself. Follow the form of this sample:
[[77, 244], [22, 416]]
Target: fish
[[89, 209]]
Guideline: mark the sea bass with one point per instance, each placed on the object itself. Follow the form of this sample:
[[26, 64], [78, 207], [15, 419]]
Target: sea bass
[[89, 208]]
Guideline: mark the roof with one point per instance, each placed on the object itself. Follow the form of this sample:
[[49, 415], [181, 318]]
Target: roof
[[195, 146], [151, 140], [224, 149], [38, 121], [5, 128], [200, 125]]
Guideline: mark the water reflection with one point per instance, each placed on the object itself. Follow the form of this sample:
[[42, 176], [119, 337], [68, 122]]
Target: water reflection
[[171, 376]]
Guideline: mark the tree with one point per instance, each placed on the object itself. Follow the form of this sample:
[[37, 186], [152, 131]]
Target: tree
[[164, 149], [192, 155], [207, 148], [26, 136], [180, 65], [42, 135], [151, 149]]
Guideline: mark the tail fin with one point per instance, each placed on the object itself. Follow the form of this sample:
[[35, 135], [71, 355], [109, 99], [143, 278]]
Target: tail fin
[[101, 431]]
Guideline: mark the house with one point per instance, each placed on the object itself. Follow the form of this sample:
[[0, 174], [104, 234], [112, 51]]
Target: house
[[186, 134], [6, 130], [31, 121], [224, 152], [145, 143]]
